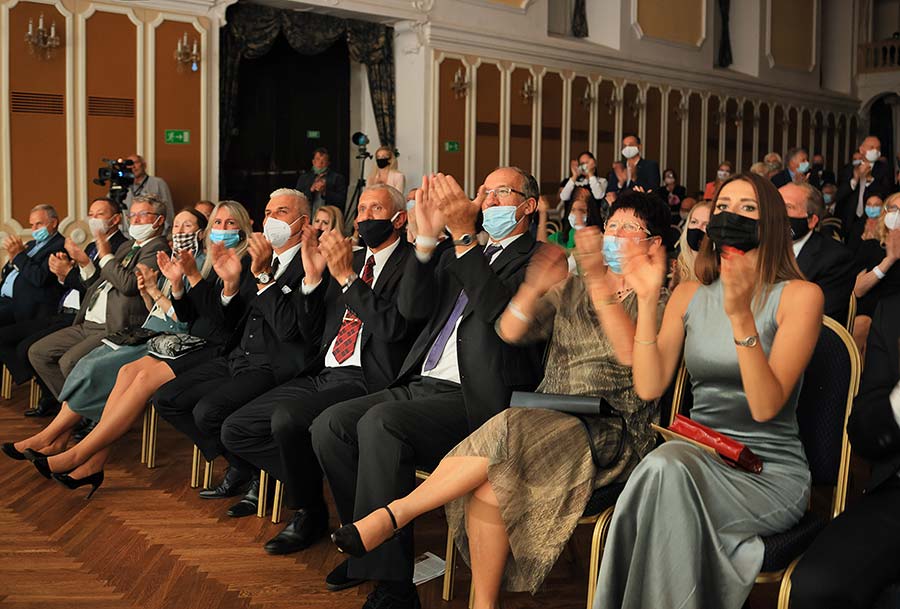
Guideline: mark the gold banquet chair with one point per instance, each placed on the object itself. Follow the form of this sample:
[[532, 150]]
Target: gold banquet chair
[[851, 313], [6, 384], [277, 497]]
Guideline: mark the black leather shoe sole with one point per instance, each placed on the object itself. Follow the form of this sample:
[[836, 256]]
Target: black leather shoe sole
[[243, 508]]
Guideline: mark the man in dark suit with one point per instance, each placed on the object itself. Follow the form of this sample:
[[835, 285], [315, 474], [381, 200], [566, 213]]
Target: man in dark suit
[[822, 260], [15, 339], [797, 169], [321, 184], [363, 344], [854, 559], [112, 302], [457, 375], [820, 175], [27, 287], [865, 176], [267, 347], [639, 171]]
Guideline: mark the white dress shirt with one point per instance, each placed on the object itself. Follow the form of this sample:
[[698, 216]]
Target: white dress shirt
[[799, 243], [447, 368], [597, 186]]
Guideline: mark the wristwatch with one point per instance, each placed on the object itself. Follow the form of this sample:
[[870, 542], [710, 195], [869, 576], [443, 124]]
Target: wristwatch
[[264, 278], [750, 341], [465, 239]]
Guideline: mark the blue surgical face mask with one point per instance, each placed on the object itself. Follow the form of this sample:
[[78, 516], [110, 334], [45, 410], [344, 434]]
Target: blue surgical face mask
[[500, 220], [873, 212], [40, 235], [614, 253], [829, 198], [410, 204], [804, 167], [229, 238], [573, 222]]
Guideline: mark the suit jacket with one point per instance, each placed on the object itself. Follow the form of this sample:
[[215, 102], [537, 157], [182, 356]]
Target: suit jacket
[[489, 369], [819, 178], [781, 178], [829, 264], [36, 291], [73, 279], [847, 198], [386, 335], [873, 429], [335, 187], [124, 306], [645, 176]]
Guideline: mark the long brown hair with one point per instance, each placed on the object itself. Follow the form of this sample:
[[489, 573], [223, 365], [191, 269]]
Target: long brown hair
[[775, 261]]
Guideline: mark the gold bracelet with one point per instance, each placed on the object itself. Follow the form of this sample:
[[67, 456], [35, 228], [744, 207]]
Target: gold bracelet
[[645, 342]]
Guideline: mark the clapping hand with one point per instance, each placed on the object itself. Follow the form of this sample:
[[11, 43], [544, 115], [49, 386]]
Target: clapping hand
[[260, 253], [313, 260], [429, 219], [645, 271], [60, 265], [576, 170], [738, 272], [226, 264], [147, 277], [76, 253], [589, 253], [103, 245], [170, 267], [546, 268], [13, 246], [892, 244], [459, 211], [338, 253]]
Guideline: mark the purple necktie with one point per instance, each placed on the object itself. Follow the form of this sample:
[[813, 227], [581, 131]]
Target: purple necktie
[[437, 348]]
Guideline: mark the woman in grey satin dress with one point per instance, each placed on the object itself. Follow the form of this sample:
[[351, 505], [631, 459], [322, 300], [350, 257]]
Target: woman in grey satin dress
[[686, 530]]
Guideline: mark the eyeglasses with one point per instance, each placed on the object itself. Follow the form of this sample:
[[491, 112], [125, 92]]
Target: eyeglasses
[[625, 227], [141, 215], [502, 192]]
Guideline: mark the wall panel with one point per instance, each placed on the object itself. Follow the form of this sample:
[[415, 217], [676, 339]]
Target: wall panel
[[765, 146], [653, 126], [451, 121], [521, 118], [631, 109], [580, 117], [607, 148], [551, 132], [778, 143], [732, 118], [715, 149], [673, 143], [487, 120], [695, 118], [804, 131], [792, 123], [749, 124], [842, 136], [830, 151]]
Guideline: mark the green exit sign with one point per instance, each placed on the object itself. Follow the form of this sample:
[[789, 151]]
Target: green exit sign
[[451, 146], [178, 136], [313, 135]]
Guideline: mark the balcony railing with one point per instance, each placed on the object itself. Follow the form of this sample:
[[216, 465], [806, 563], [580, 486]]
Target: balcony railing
[[882, 56]]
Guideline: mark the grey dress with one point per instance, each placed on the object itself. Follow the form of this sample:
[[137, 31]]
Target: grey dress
[[686, 530]]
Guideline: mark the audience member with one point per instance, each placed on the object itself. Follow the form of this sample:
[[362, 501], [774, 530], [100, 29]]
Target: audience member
[[457, 375], [773, 160], [748, 330], [385, 170], [267, 347], [760, 168], [364, 341], [147, 185], [689, 244], [687, 204], [853, 560], [865, 176], [820, 175], [823, 261], [205, 207], [723, 173], [639, 171], [327, 218], [321, 185], [525, 466], [27, 287], [672, 193], [577, 215], [112, 302], [616, 178], [584, 176], [797, 169]]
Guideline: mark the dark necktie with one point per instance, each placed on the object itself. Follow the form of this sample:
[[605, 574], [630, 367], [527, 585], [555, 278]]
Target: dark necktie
[[275, 264], [345, 342], [440, 343]]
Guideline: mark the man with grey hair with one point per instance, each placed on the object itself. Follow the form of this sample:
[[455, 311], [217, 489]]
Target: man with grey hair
[[149, 185], [866, 175], [271, 343], [822, 260], [111, 302], [27, 287], [797, 169]]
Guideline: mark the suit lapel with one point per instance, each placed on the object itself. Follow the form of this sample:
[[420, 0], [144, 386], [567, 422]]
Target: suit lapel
[[517, 248], [392, 266]]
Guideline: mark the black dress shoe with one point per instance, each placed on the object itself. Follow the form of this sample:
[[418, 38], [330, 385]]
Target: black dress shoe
[[339, 580], [305, 528], [232, 484], [393, 595], [84, 429], [249, 504], [9, 449], [47, 407]]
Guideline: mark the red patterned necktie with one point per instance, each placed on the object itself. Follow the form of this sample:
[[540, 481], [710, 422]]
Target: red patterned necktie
[[345, 343]]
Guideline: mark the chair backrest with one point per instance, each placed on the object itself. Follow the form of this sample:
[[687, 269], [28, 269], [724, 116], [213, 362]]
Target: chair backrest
[[851, 313], [830, 383]]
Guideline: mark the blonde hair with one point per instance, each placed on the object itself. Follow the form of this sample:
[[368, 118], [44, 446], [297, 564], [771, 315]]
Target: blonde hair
[[686, 256], [337, 217], [239, 213], [391, 167]]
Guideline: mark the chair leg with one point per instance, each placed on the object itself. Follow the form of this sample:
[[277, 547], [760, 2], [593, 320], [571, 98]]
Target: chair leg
[[6, 385], [207, 474], [154, 429], [784, 591], [449, 568], [35, 394], [195, 468], [472, 593], [601, 528], [263, 494], [145, 435], [276, 502]]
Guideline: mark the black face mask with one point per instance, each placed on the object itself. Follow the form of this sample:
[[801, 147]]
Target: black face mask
[[733, 230], [695, 238], [382, 163], [799, 228], [375, 232]]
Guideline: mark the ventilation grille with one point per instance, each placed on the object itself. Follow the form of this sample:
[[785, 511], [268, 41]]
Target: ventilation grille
[[37, 103], [121, 107]]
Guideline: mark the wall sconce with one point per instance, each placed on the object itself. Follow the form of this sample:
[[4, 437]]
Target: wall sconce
[[636, 106], [186, 54], [755, 119], [613, 102], [681, 110], [586, 100], [41, 42], [528, 91], [460, 85], [720, 117]]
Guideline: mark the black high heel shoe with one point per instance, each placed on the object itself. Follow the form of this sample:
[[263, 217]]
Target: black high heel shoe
[[95, 480], [347, 537], [9, 449], [40, 464], [31, 454]]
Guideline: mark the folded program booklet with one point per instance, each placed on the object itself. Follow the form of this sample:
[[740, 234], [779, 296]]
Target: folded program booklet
[[731, 451]]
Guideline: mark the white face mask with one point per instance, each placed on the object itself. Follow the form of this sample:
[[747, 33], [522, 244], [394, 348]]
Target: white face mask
[[892, 220], [873, 155], [723, 174], [97, 225], [141, 232], [278, 232], [574, 222], [629, 152]]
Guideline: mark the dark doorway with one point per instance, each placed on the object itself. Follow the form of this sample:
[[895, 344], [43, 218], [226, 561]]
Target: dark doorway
[[881, 122], [288, 105]]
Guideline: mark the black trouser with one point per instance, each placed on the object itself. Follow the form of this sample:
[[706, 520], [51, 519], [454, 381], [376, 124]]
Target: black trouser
[[16, 338], [197, 402], [7, 311], [272, 431], [369, 449], [854, 559]]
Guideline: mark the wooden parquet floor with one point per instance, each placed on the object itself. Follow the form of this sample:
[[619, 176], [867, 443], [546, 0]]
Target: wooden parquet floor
[[146, 540]]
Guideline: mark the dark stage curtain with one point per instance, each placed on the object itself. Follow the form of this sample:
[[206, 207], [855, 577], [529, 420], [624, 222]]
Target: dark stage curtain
[[251, 31], [725, 58], [579, 20]]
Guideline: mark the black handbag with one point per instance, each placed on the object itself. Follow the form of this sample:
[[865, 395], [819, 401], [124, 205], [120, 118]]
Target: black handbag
[[132, 336], [578, 406]]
